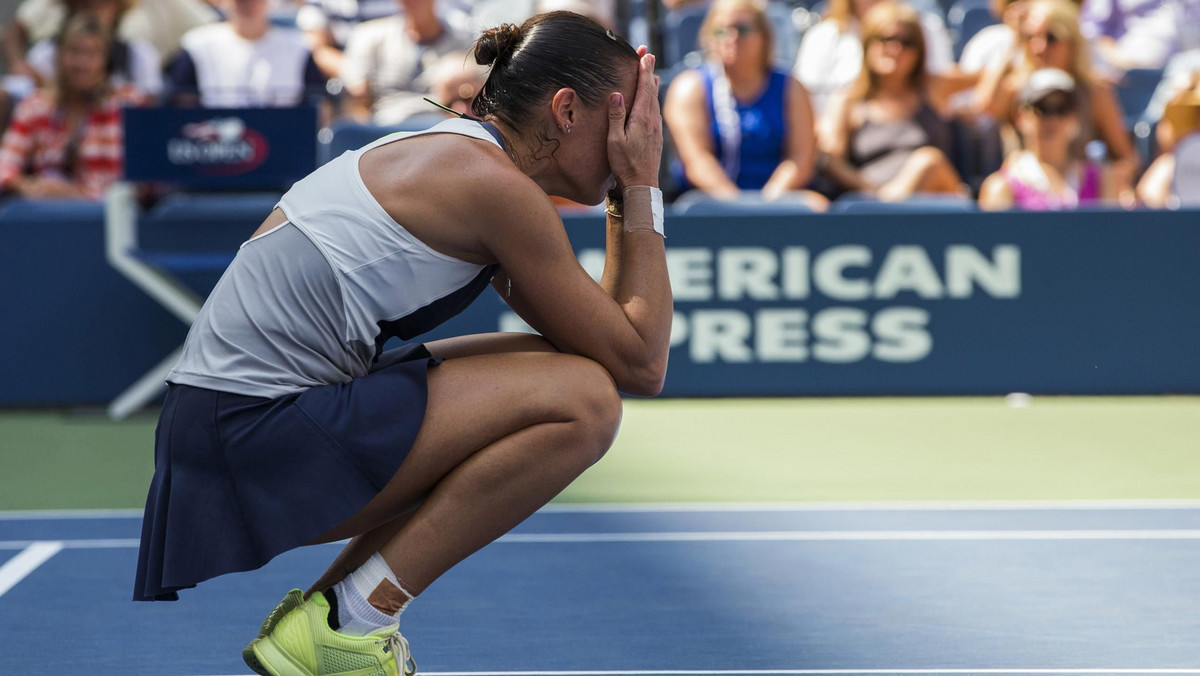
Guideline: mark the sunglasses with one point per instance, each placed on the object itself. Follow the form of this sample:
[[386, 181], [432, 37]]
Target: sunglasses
[[1052, 108], [741, 30], [1050, 37], [905, 41]]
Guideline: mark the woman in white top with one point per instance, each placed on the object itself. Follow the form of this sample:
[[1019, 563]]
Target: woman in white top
[[830, 55]]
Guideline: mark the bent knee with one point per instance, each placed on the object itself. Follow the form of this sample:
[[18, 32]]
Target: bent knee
[[594, 404]]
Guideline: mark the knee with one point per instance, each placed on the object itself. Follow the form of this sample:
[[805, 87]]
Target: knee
[[595, 407], [928, 158]]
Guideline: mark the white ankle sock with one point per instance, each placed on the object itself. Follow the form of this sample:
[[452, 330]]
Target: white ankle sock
[[355, 613]]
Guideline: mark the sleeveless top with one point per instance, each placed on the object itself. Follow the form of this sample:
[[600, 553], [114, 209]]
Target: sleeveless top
[[1031, 187], [880, 149], [749, 137], [312, 301]]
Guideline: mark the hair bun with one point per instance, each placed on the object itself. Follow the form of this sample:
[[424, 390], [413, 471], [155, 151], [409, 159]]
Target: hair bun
[[497, 42]]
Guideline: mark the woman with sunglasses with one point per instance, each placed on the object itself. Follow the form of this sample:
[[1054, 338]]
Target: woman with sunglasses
[[1044, 175], [887, 138], [831, 56], [738, 123], [1050, 38]]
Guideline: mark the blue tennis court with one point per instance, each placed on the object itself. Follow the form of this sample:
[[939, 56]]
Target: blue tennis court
[[937, 588]]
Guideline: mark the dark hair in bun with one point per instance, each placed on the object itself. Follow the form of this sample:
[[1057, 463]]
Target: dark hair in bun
[[497, 42], [548, 52]]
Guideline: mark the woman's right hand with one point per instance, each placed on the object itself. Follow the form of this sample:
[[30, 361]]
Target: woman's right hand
[[635, 140]]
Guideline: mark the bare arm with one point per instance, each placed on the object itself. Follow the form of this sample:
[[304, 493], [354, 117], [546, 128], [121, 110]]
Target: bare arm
[[627, 329], [837, 146], [1109, 122], [16, 44], [686, 115], [801, 152], [994, 94], [325, 53]]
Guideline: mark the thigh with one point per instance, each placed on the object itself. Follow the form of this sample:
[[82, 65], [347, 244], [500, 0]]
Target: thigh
[[474, 401]]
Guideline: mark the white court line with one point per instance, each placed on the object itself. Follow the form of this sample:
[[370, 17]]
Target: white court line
[[20, 566], [805, 672], [749, 536], [802, 672], [871, 506], [734, 507]]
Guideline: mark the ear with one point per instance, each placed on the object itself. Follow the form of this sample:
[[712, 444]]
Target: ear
[[564, 109]]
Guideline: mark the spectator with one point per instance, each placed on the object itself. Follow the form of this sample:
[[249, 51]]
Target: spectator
[[65, 141], [488, 13], [244, 62], [133, 62], [993, 44], [1050, 38], [737, 122], [1044, 175], [328, 24], [160, 23], [387, 62], [455, 80], [1136, 33], [830, 56], [1177, 77], [887, 138], [1180, 118]]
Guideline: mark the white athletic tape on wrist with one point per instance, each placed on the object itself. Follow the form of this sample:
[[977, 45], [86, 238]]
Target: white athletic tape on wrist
[[656, 211]]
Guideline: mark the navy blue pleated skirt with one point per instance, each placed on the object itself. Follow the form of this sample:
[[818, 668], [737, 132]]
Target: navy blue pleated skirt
[[239, 480]]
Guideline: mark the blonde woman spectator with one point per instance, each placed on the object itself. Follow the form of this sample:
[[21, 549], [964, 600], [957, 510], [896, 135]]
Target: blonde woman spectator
[[1043, 175], [1050, 38], [738, 123], [830, 56], [65, 141], [387, 62], [887, 138], [1180, 119]]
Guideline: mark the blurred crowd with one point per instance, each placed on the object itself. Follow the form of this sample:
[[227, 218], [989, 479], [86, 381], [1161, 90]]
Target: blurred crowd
[[1013, 104]]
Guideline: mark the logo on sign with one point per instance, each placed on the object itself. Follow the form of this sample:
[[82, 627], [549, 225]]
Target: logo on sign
[[222, 146]]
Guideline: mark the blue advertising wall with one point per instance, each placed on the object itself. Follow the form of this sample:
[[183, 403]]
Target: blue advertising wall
[[1097, 302]]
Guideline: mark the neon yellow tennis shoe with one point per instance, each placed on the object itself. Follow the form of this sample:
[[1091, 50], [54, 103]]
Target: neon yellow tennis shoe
[[295, 640]]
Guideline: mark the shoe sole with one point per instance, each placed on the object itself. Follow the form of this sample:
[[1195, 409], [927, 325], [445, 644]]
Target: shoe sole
[[289, 603], [266, 659]]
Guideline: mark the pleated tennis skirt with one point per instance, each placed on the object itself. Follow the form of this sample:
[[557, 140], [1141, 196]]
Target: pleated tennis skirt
[[239, 480]]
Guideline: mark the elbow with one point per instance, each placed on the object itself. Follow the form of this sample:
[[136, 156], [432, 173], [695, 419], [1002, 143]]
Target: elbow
[[644, 380]]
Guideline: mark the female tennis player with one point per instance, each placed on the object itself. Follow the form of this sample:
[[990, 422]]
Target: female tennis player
[[286, 424]]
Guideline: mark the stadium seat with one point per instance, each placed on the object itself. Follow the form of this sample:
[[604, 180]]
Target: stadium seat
[[855, 203], [1134, 92], [48, 211], [696, 203], [965, 19]]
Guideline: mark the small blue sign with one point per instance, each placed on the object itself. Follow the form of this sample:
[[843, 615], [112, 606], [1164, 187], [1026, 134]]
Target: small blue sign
[[221, 148]]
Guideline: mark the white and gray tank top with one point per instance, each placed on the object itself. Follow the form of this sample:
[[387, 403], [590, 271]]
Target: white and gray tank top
[[312, 301]]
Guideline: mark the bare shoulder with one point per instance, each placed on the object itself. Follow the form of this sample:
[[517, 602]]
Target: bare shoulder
[[687, 87], [451, 191]]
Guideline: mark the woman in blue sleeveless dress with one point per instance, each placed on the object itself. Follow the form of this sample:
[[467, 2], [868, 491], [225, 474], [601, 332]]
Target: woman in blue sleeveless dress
[[286, 423], [738, 123]]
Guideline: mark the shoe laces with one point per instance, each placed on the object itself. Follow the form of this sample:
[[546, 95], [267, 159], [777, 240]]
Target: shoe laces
[[398, 646]]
